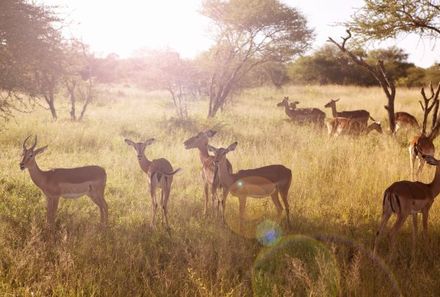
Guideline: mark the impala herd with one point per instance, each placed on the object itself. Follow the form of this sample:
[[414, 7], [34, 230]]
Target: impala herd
[[402, 198]]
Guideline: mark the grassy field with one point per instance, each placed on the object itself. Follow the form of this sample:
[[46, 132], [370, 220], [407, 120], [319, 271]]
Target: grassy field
[[336, 191]]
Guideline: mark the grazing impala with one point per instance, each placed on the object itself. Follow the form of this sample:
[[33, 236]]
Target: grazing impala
[[65, 182], [424, 146], [210, 179], [311, 115], [405, 198], [405, 120], [256, 183], [160, 175], [345, 126], [361, 114]]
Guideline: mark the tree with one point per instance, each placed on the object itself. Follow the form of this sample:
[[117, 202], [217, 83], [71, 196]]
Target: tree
[[382, 19], [78, 76], [249, 34], [378, 72], [27, 33]]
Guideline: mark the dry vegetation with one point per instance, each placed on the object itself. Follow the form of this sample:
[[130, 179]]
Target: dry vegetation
[[336, 190]]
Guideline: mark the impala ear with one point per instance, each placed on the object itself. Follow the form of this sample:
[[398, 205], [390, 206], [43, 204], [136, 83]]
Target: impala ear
[[210, 133], [336, 100], [149, 141], [40, 150], [232, 147], [129, 142], [431, 160], [212, 149]]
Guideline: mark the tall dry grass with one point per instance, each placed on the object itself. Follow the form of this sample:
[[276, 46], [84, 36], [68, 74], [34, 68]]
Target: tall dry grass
[[336, 190]]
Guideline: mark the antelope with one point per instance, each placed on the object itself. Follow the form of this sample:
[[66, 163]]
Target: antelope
[[340, 126], [256, 183], [210, 179], [361, 114], [160, 175], [405, 198], [424, 141], [65, 182], [405, 120], [301, 115]]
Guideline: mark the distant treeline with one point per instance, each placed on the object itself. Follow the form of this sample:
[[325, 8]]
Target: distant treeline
[[327, 65]]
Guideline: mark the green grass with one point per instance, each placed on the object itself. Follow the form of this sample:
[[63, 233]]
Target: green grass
[[336, 190]]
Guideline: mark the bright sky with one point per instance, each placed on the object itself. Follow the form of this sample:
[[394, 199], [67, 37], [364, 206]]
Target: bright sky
[[125, 26]]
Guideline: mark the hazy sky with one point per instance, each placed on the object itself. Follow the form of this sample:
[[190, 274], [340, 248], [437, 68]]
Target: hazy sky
[[125, 26]]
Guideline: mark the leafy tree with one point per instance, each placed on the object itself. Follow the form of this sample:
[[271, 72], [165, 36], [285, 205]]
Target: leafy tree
[[249, 34], [382, 19], [28, 34]]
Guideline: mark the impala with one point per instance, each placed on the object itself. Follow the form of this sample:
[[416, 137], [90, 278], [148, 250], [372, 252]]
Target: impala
[[65, 182], [361, 114], [345, 126], [313, 115], [425, 146], [210, 179], [405, 120], [256, 183], [160, 175], [405, 198]]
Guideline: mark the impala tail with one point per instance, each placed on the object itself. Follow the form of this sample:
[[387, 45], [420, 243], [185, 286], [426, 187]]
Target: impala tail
[[390, 202], [172, 173]]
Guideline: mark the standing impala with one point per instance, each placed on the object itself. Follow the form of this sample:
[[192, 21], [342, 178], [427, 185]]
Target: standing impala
[[160, 175], [256, 183], [65, 182], [210, 179], [406, 198], [405, 120], [361, 114]]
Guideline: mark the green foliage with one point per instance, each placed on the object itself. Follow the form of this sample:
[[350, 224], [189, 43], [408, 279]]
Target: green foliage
[[381, 19]]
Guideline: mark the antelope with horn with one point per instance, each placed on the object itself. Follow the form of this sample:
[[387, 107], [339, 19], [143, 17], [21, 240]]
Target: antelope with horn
[[405, 198], [256, 183], [209, 176], [345, 126], [361, 114], [302, 115], [160, 175], [65, 182], [424, 141]]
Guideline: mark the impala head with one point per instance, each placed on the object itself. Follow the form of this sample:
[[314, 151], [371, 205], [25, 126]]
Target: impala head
[[220, 153], [29, 154], [331, 103], [199, 140], [293, 104], [285, 102], [140, 146], [431, 160], [377, 126]]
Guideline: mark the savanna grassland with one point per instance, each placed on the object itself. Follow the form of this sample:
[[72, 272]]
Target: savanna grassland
[[336, 190]]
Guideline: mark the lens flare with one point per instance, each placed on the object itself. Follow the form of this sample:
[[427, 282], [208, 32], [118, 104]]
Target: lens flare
[[268, 233], [296, 265]]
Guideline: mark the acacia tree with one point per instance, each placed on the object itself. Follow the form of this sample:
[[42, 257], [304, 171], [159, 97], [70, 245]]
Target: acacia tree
[[249, 34], [27, 33], [382, 19]]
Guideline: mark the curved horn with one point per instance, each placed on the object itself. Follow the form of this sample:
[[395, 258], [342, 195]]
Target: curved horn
[[24, 142], [35, 143]]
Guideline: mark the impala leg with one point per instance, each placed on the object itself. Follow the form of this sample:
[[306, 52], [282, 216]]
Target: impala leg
[[242, 203], [223, 203], [414, 235], [277, 202], [52, 206], [284, 196], [166, 197], [206, 190], [97, 197], [397, 225], [214, 195], [153, 203], [385, 217]]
